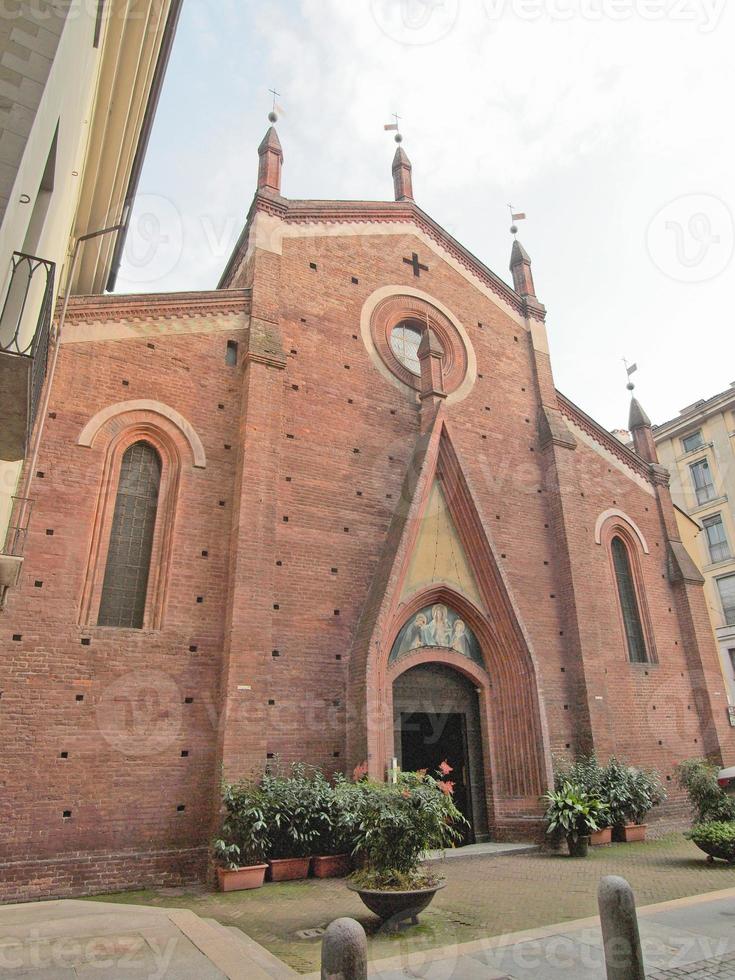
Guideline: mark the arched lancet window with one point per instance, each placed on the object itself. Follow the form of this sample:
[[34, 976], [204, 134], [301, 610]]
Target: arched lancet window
[[634, 634], [131, 539]]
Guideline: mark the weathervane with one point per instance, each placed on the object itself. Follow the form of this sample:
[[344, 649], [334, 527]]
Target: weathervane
[[630, 369], [273, 115], [515, 216], [393, 127]]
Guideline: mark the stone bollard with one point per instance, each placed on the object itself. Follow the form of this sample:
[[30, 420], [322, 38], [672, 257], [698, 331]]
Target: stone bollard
[[623, 955], [344, 951]]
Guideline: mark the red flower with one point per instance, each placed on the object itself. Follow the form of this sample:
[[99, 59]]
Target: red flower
[[406, 794], [359, 772], [446, 787], [445, 768]]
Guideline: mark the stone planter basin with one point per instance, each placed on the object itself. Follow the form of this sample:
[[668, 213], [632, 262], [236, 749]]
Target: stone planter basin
[[396, 907]]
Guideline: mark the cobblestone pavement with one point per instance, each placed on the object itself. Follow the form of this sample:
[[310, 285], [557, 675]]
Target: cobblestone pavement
[[485, 896], [722, 968]]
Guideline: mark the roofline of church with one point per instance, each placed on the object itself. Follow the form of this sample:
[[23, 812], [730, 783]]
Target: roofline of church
[[605, 438], [141, 306], [304, 211]]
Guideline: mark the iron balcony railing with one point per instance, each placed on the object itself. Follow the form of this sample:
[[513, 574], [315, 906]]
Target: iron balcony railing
[[25, 321], [17, 532]]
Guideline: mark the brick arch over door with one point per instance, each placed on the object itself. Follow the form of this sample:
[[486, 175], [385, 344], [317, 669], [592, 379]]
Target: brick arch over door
[[516, 767]]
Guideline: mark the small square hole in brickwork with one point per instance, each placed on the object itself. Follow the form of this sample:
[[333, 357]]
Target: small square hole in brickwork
[[660, 742], [188, 700], [516, 339], [480, 376], [356, 451], [503, 556], [125, 384], [79, 697], [294, 387], [546, 525], [563, 670], [561, 632], [276, 606], [17, 637], [303, 319], [497, 517], [86, 642], [294, 351], [389, 496], [568, 745], [336, 612], [180, 808], [487, 408], [39, 585], [393, 411], [205, 554], [335, 755], [270, 755], [546, 563], [312, 265], [63, 755], [566, 707], [285, 519], [279, 563], [347, 367], [523, 389], [66, 814], [200, 598], [275, 653], [40, 474], [350, 401], [228, 446], [484, 437], [479, 325], [52, 415], [338, 656], [668, 779], [346, 530], [289, 435], [184, 753], [49, 532], [355, 280], [222, 503], [193, 648], [151, 346], [333, 571], [220, 406], [271, 701]]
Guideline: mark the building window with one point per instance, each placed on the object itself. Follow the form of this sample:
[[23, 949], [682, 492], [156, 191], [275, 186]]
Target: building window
[[702, 479], [629, 602], [731, 655], [719, 550], [125, 584], [404, 342], [693, 441], [726, 586]]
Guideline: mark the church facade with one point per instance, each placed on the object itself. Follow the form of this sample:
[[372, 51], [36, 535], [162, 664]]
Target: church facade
[[334, 511]]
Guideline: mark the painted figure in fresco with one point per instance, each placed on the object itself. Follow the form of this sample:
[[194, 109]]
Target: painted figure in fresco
[[441, 632], [415, 636], [460, 640]]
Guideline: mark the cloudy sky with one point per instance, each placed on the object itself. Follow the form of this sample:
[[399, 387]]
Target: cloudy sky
[[607, 121]]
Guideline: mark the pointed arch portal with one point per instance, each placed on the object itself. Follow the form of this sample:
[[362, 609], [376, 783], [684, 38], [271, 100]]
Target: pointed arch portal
[[429, 694]]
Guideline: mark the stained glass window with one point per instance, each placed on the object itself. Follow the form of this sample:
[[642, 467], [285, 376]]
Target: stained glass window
[[131, 539], [629, 603]]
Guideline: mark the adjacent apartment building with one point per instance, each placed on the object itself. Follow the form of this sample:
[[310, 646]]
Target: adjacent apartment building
[[79, 85], [698, 447]]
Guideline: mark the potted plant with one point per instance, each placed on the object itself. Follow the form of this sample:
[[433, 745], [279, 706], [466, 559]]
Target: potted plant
[[291, 814], [707, 798], [576, 814], [716, 838], [644, 792], [332, 844], [392, 825], [240, 849], [586, 773]]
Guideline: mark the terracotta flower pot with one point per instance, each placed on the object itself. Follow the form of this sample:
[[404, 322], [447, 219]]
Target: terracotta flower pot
[[288, 869], [603, 836], [578, 847], [634, 832], [240, 879], [396, 907], [331, 866]]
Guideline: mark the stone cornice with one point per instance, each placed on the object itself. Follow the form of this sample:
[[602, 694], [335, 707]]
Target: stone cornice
[[604, 438], [156, 306], [376, 212]]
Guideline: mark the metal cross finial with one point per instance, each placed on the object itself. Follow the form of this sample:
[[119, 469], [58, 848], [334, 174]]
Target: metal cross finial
[[393, 127], [273, 115]]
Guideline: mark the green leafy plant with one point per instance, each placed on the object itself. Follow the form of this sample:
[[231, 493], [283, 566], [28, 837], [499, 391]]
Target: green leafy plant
[[715, 837], [293, 808], [708, 800], [644, 793], [616, 789], [244, 838], [393, 824], [587, 774], [573, 812]]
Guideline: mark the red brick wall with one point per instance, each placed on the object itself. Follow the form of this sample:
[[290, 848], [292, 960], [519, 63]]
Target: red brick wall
[[309, 485]]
